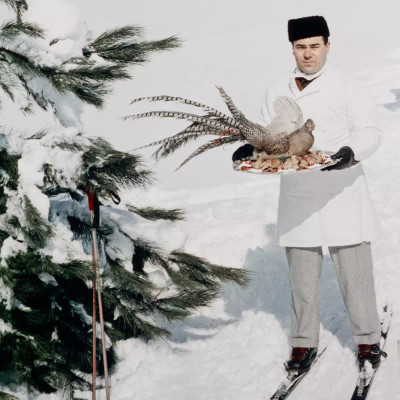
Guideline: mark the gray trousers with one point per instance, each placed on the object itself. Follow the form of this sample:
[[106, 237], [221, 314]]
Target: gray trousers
[[353, 266]]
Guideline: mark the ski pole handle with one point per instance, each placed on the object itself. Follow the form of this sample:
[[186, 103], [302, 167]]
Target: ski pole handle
[[94, 207]]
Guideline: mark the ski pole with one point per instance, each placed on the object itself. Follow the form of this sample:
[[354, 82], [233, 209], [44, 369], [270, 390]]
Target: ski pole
[[94, 329], [95, 220]]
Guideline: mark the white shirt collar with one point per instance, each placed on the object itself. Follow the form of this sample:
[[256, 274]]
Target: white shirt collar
[[297, 73]]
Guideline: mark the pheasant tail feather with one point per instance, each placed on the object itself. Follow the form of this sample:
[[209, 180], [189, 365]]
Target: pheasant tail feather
[[211, 112], [211, 144]]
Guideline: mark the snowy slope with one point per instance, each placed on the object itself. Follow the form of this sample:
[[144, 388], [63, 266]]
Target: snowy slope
[[235, 349]]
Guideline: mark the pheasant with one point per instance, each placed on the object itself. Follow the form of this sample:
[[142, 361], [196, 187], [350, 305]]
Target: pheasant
[[285, 136]]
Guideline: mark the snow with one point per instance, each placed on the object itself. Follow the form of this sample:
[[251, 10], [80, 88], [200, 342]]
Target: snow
[[235, 348], [65, 36], [31, 176], [65, 29], [165, 234], [11, 246]]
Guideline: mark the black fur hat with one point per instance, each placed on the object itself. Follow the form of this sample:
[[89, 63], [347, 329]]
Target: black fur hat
[[306, 27]]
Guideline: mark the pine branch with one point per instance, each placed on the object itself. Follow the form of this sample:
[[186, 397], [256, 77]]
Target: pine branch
[[81, 226], [120, 46], [8, 81], [3, 236], [39, 99], [113, 333], [226, 274], [35, 264], [154, 214], [87, 82], [147, 252], [55, 361], [7, 89], [169, 308], [85, 85], [113, 36], [98, 73], [195, 271], [85, 79], [38, 135], [72, 147], [35, 377], [10, 3], [21, 59], [90, 93], [3, 205], [110, 171], [7, 278], [11, 30], [9, 163], [125, 279], [182, 305], [74, 269], [7, 396], [36, 231], [134, 326]]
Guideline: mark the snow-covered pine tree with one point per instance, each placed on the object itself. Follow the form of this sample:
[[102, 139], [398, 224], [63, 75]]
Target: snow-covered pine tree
[[45, 268]]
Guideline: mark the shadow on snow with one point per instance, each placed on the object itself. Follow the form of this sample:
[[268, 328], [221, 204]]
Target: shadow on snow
[[269, 292]]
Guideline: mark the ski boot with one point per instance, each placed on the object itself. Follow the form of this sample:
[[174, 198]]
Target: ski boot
[[371, 353], [301, 359]]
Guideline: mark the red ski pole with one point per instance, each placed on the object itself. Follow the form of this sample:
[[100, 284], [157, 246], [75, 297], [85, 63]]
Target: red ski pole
[[94, 318], [95, 219]]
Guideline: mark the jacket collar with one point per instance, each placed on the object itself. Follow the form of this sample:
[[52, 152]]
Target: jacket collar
[[297, 73], [312, 88]]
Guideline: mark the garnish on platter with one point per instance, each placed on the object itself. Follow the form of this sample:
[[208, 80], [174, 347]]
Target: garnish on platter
[[313, 160]]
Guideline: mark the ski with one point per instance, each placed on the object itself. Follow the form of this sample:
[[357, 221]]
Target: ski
[[293, 378], [367, 373]]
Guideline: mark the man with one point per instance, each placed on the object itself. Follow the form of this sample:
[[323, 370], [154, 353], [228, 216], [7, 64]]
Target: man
[[331, 207]]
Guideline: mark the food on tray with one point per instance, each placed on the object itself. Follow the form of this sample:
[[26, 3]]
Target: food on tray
[[311, 160]]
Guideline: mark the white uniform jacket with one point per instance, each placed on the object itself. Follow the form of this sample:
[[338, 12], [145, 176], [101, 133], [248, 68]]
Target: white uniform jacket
[[330, 208]]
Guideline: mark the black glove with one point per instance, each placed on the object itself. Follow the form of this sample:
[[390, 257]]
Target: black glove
[[243, 152], [346, 159]]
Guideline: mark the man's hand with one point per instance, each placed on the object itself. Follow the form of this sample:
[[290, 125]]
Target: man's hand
[[345, 155], [243, 152]]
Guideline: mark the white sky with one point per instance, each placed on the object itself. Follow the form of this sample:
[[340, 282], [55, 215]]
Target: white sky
[[240, 45]]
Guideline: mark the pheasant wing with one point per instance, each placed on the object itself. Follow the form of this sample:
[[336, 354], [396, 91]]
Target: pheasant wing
[[288, 117]]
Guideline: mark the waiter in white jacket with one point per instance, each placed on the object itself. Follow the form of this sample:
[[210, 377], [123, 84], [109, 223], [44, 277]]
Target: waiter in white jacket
[[332, 207]]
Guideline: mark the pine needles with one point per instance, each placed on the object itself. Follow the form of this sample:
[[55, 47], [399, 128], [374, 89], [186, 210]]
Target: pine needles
[[110, 171], [88, 80], [125, 45], [155, 214]]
